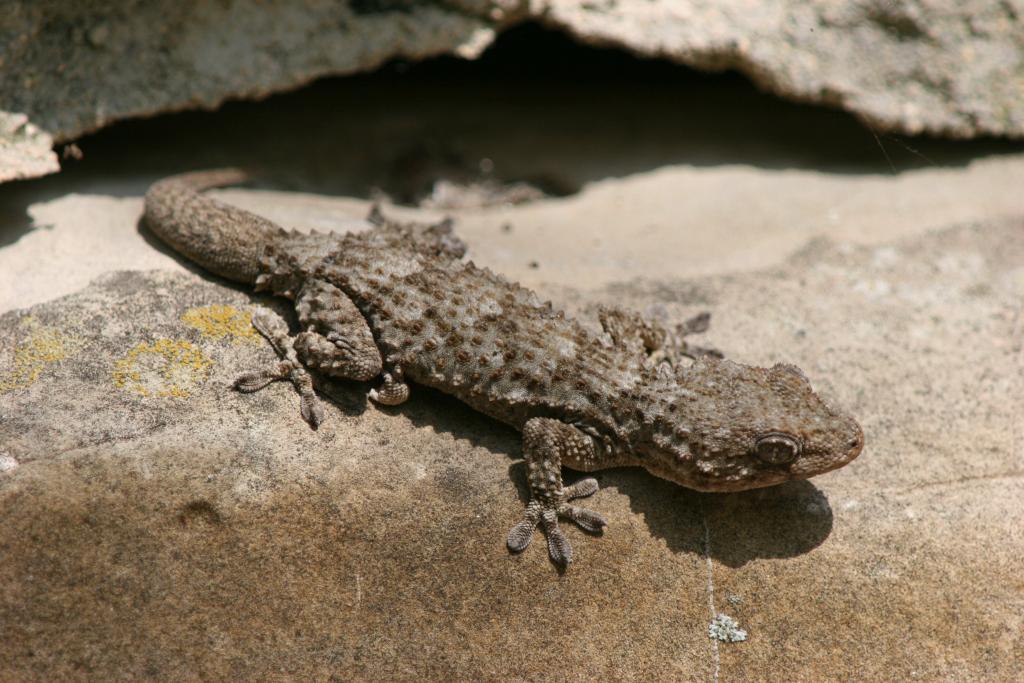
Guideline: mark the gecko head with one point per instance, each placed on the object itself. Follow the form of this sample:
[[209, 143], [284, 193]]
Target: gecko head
[[723, 426]]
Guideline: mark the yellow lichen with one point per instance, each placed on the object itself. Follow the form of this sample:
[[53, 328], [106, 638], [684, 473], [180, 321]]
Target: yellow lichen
[[167, 367], [218, 322], [44, 346]]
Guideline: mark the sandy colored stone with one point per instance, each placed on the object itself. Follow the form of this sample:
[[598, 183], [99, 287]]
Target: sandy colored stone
[[664, 222], [25, 150], [200, 533]]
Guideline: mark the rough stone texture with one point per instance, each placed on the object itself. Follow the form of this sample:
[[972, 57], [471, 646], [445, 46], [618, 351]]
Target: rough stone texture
[[158, 525], [158, 57], [25, 150], [216, 537], [943, 67]]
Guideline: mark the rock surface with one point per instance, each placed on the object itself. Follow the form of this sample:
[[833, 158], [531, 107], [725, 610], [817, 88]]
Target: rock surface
[[158, 525], [25, 150], [74, 69], [943, 67], [946, 68]]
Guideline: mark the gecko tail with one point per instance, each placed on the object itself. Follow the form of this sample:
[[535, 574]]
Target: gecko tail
[[224, 239]]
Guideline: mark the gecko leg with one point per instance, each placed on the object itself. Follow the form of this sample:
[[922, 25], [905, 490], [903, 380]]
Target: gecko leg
[[651, 343], [275, 329], [546, 442], [698, 324], [394, 391], [336, 341]]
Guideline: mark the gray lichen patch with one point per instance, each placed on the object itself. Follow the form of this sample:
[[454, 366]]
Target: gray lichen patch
[[7, 463], [726, 629]]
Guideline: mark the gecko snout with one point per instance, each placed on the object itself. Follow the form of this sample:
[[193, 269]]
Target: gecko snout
[[855, 442]]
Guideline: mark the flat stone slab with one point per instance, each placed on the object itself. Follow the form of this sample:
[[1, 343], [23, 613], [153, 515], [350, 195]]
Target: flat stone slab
[[156, 524]]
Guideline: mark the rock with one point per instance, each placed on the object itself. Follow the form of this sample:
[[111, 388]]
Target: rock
[[75, 70], [158, 525], [943, 68], [938, 67], [25, 150]]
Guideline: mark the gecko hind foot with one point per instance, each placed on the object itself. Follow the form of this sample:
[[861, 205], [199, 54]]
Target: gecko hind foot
[[274, 328], [698, 324], [310, 406], [546, 513]]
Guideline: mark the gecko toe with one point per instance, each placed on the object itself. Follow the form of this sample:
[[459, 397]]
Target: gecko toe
[[250, 382], [586, 519], [546, 515], [521, 534], [254, 381], [310, 407], [559, 548], [312, 410], [695, 325], [582, 488]]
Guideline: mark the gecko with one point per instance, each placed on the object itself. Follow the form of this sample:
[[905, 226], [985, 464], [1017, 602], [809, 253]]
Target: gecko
[[399, 304]]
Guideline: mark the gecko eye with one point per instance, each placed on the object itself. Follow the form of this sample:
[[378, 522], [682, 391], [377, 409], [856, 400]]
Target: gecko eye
[[777, 449]]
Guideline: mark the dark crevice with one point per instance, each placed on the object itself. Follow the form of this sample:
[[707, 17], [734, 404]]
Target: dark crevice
[[537, 114]]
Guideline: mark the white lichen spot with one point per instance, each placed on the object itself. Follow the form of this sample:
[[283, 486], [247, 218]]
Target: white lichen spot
[[7, 463], [726, 629]]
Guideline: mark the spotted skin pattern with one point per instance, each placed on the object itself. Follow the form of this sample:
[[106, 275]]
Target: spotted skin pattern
[[399, 302]]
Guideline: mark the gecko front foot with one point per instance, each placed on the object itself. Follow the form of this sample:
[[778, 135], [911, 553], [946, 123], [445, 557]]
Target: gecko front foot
[[546, 511], [275, 329], [394, 391]]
